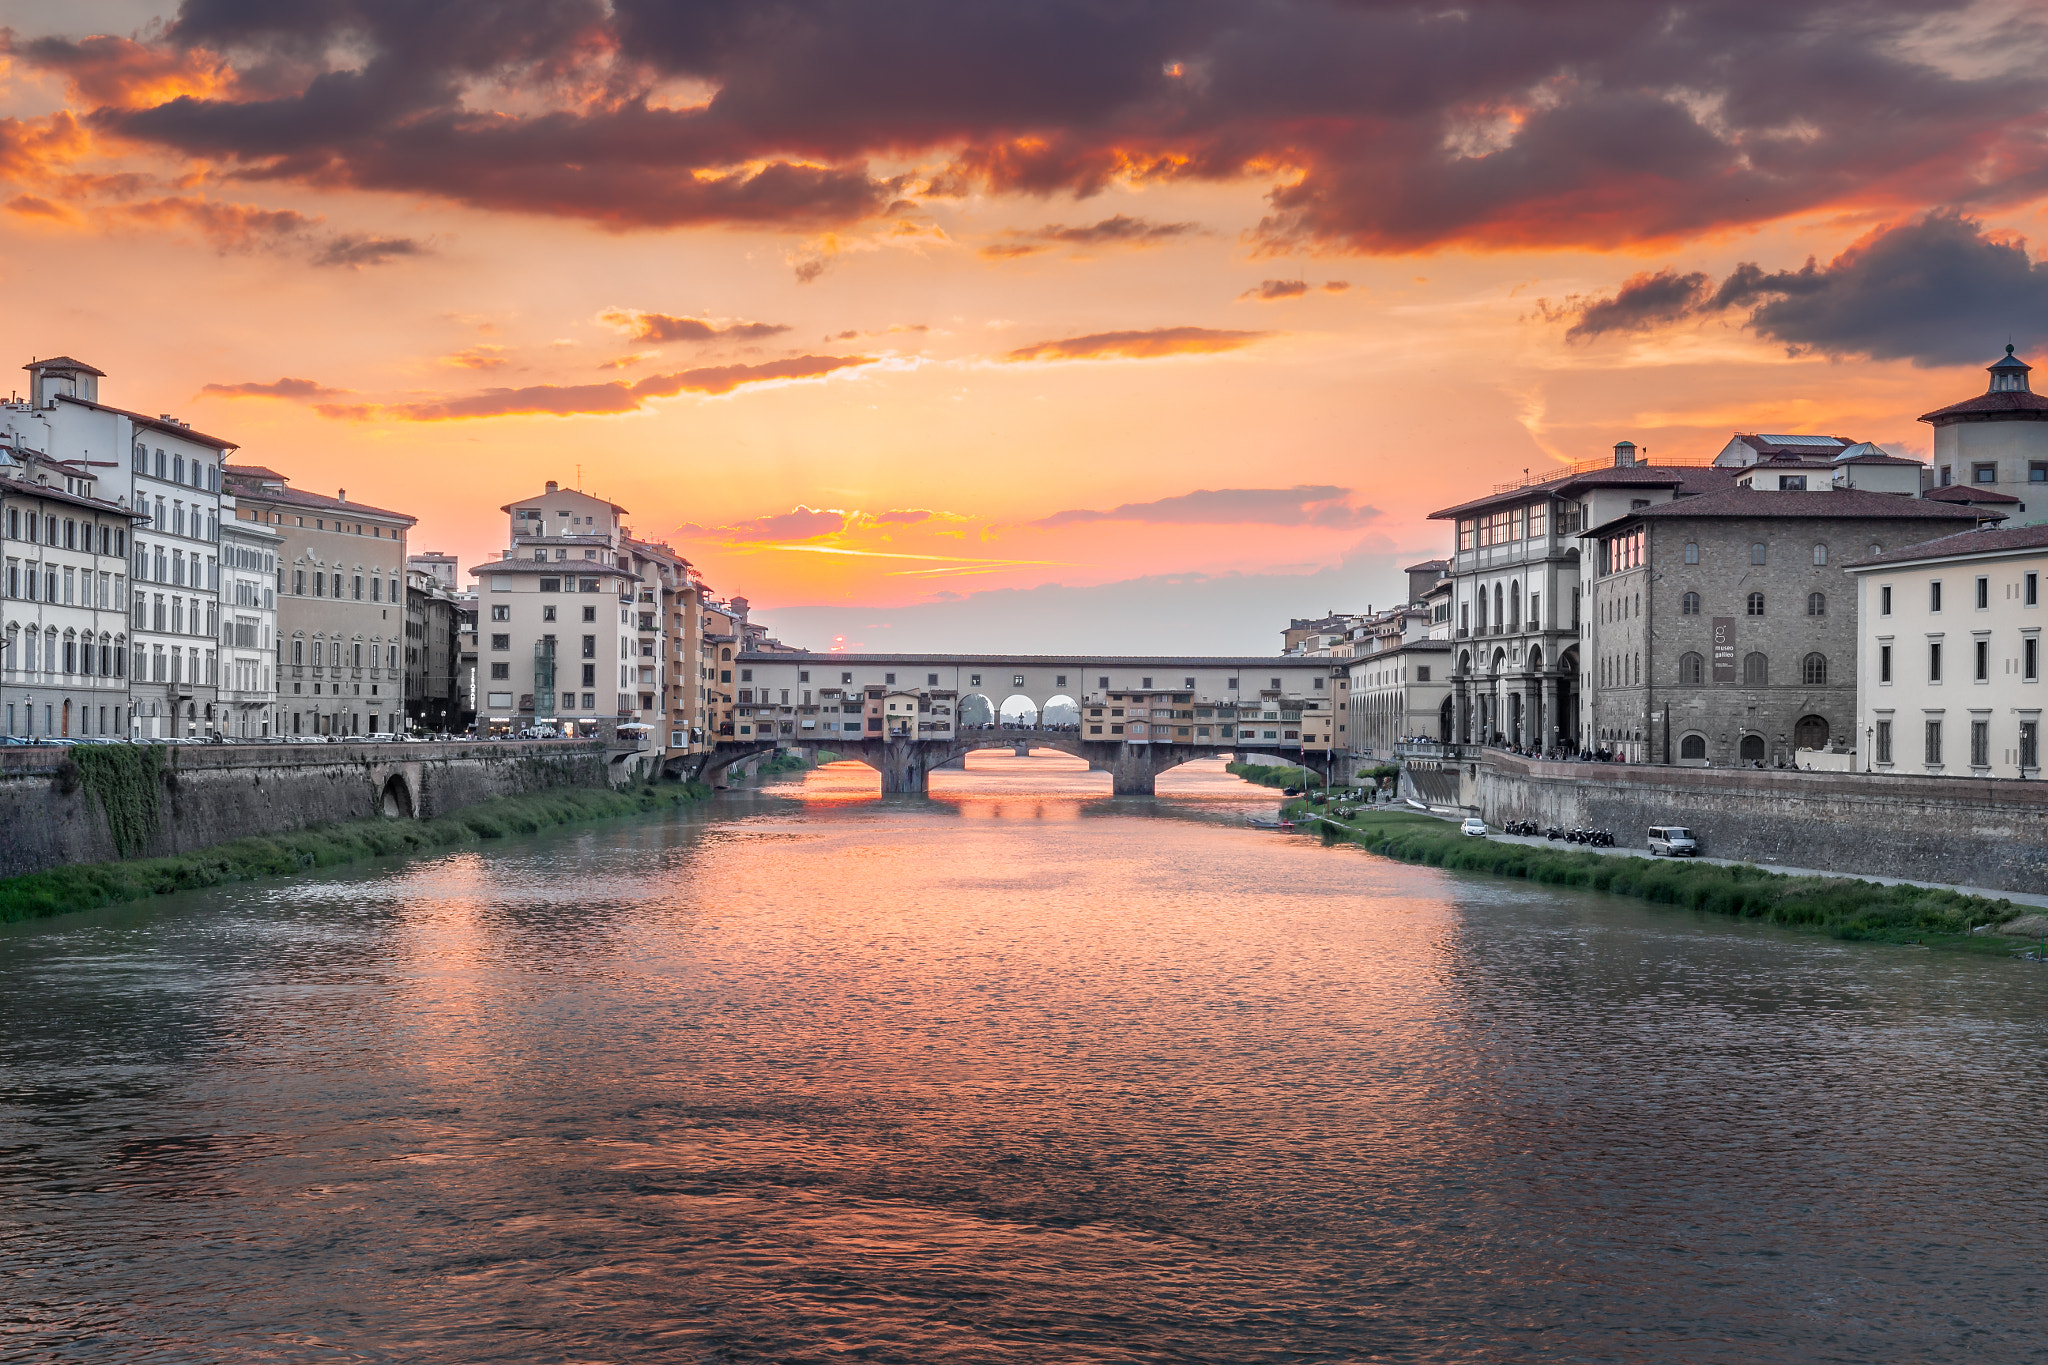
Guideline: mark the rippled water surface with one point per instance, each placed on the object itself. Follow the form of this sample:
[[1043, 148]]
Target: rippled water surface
[[1022, 1072]]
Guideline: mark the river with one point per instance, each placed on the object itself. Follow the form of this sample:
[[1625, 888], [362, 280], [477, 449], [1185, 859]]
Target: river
[[1017, 1073]]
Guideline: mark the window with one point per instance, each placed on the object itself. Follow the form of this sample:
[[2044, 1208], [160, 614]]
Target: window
[[501, 672], [501, 642], [590, 646], [590, 614], [1692, 670], [1422, 673], [1884, 600], [1756, 553], [1816, 604], [1934, 595], [1791, 483], [501, 611], [2030, 744], [1983, 473], [1692, 552], [1980, 743], [1756, 670], [2037, 472], [1756, 604], [2030, 658], [1884, 663], [1983, 593], [1884, 741], [1813, 670], [1934, 661], [298, 582], [1820, 555], [2032, 593], [547, 613], [1933, 744], [590, 675], [551, 585], [1982, 654]]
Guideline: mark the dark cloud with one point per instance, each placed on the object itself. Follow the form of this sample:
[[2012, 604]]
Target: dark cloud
[[1377, 127], [799, 523], [1939, 290], [1302, 505], [301, 390], [569, 400], [1268, 290], [1146, 345], [661, 327], [1117, 230], [356, 250]]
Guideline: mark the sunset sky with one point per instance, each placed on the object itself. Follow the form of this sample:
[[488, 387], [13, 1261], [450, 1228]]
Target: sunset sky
[[958, 324]]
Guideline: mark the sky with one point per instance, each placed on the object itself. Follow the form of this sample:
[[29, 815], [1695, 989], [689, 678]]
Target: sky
[[1126, 325]]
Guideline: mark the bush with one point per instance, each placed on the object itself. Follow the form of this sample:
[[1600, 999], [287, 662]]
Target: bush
[[86, 886], [1841, 907]]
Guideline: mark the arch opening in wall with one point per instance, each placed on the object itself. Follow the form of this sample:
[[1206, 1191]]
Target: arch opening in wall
[[396, 799], [1811, 732], [1061, 712], [975, 712], [1752, 750], [1692, 749], [1019, 710], [1692, 671]]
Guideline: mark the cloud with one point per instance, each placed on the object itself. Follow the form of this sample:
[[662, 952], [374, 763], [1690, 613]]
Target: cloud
[[1117, 230], [300, 390], [1303, 505], [799, 523], [663, 327], [1500, 124], [35, 206], [1148, 345], [1937, 290], [478, 358], [1336, 286], [1268, 290], [353, 250], [618, 396], [227, 227]]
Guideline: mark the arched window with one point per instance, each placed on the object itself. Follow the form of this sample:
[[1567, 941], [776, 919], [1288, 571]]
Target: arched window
[[1752, 748], [1756, 604], [1820, 554], [141, 458], [1692, 552], [1756, 670], [1693, 747], [1813, 670], [725, 656], [1515, 607], [1756, 553], [1816, 604], [1690, 605], [1692, 669]]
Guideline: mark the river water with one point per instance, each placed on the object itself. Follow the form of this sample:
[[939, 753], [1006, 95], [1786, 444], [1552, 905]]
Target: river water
[[1021, 1072]]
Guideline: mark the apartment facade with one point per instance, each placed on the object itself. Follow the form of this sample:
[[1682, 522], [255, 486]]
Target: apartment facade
[[340, 604], [250, 554], [433, 651], [1949, 681], [1722, 629], [63, 621]]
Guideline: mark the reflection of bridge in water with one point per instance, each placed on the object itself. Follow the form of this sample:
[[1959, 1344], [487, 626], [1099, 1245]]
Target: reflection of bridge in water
[[1138, 717]]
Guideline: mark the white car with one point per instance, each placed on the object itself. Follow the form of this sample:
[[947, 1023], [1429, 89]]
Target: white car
[[1474, 826], [1673, 841]]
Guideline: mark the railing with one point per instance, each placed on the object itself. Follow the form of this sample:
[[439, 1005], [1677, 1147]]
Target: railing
[[1694, 460]]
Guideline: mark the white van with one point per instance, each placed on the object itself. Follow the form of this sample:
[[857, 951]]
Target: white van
[[1672, 841]]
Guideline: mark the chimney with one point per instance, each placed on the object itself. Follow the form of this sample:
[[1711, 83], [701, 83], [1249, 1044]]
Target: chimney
[[341, 495], [1624, 454], [553, 486]]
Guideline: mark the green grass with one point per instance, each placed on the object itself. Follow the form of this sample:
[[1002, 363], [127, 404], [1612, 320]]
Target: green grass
[[1840, 907], [1288, 775], [788, 761], [86, 886]]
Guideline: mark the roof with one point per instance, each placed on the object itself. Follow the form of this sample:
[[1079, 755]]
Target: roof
[[1045, 660], [1991, 541], [1962, 492], [64, 362], [241, 486], [565, 568], [252, 471], [2022, 404], [143, 419], [544, 493], [23, 488], [1427, 564], [1832, 503], [1764, 443], [1658, 476]]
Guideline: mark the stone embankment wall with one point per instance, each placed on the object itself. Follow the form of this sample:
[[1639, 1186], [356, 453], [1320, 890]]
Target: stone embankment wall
[[210, 794], [1968, 831]]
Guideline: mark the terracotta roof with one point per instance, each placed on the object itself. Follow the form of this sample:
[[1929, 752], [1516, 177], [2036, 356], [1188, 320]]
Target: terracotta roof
[[1962, 492], [1427, 564], [1965, 543], [2026, 405], [1874, 459], [240, 486], [252, 471], [22, 488], [63, 362], [577, 491], [1832, 502]]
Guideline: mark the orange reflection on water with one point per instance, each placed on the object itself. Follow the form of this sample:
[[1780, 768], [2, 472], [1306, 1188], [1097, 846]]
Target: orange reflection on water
[[990, 777]]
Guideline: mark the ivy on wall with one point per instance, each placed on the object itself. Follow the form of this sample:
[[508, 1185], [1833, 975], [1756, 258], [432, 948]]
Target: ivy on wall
[[127, 781]]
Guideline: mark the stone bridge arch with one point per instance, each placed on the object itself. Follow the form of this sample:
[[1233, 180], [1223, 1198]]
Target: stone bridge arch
[[396, 791]]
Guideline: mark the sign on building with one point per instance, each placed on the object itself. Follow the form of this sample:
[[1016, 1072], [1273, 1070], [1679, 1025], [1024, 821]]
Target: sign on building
[[1724, 649]]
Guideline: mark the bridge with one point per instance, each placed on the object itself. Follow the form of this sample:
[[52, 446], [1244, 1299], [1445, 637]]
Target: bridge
[[1135, 717]]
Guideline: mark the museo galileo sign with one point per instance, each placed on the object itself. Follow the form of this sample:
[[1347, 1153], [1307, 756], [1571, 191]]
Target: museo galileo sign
[[1724, 649]]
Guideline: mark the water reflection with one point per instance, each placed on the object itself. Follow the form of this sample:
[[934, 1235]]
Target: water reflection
[[1021, 1072]]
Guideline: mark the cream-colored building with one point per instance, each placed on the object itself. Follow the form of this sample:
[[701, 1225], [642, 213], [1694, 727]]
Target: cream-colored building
[[1950, 644], [249, 557], [1997, 442]]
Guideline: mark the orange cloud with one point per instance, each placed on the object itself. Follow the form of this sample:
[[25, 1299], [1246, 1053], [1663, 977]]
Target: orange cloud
[[1147, 345], [35, 206], [478, 358], [119, 73], [660, 327], [228, 227], [618, 396], [298, 389]]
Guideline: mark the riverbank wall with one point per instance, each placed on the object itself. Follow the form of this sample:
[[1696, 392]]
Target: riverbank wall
[[62, 806], [1973, 831]]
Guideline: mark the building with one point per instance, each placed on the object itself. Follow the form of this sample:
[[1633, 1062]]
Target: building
[[1721, 628], [170, 474], [1997, 442], [439, 566], [250, 555], [1949, 633], [63, 622], [434, 693], [466, 660], [669, 618], [340, 604], [1516, 601], [1399, 691]]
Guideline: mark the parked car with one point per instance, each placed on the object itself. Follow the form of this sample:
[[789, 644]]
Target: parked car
[[1474, 826], [1673, 841]]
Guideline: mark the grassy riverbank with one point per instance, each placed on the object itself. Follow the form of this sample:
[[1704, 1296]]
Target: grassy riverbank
[[1840, 907], [1289, 775], [65, 889]]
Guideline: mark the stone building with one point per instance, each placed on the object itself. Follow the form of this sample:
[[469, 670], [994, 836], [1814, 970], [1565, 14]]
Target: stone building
[[340, 605], [433, 647], [1721, 628], [1997, 442], [1949, 630], [63, 620], [249, 557]]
